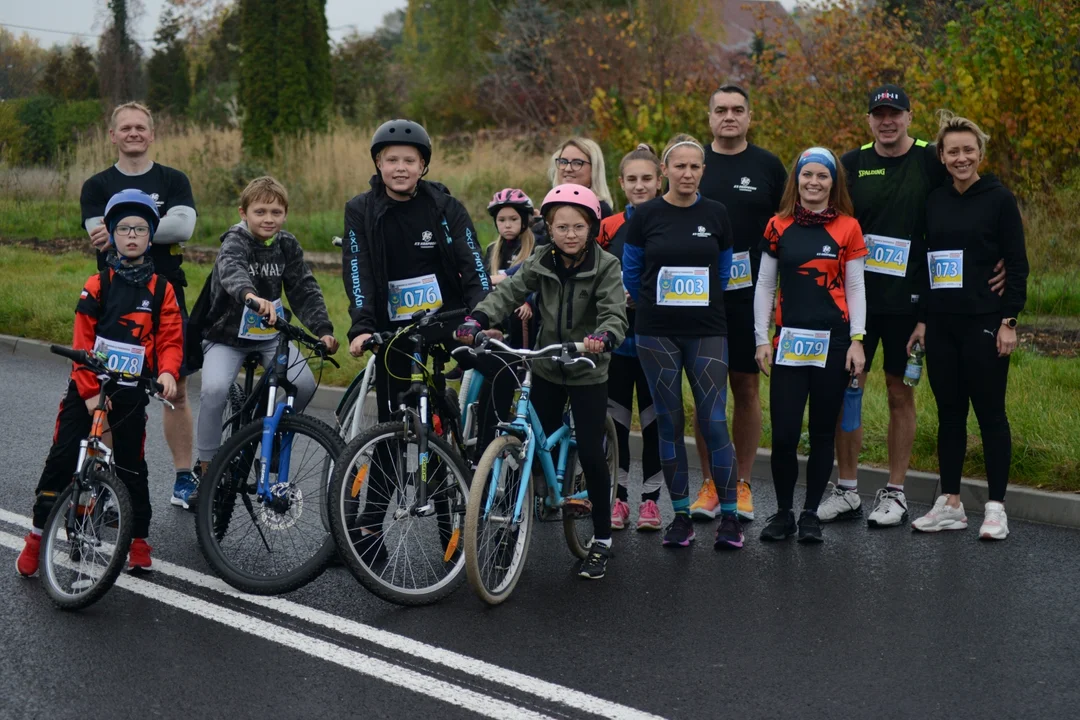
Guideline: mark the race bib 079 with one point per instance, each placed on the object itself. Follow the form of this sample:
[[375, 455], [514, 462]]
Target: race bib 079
[[946, 269], [800, 347], [888, 256], [682, 286], [740, 276], [408, 297]]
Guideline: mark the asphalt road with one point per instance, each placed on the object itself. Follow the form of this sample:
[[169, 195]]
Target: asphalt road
[[875, 624]]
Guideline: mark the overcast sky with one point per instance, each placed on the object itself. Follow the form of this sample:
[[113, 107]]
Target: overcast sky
[[83, 16]]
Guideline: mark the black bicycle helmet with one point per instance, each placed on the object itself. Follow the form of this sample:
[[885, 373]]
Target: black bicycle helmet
[[402, 132]]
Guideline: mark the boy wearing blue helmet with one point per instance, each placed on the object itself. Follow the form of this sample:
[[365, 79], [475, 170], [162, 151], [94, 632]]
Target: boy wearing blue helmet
[[124, 308]]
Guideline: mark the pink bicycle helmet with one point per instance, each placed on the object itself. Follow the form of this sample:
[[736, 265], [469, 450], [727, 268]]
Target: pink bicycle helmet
[[511, 197], [571, 194]]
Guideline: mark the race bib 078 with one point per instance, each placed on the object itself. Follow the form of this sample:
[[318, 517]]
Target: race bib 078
[[121, 357], [682, 286]]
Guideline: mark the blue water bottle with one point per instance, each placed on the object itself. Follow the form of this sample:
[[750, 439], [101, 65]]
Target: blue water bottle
[[851, 419]]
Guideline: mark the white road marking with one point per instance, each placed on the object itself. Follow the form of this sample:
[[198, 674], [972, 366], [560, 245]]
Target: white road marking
[[480, 669], [350, 659]]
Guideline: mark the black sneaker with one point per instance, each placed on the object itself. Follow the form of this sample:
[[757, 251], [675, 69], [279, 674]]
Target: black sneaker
[[809, 527], [594, 565], [680, 533], [781, 526]]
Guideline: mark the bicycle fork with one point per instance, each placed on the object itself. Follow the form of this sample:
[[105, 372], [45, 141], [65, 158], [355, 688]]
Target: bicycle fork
[[275, 493]]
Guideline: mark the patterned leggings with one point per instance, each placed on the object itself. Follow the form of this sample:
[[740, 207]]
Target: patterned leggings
[[705, 361]]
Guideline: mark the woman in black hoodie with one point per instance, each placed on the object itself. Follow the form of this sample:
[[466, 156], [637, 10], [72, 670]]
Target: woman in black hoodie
[[968, 330]]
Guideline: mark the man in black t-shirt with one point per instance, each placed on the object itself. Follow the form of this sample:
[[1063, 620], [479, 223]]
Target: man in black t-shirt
[[131, 130], [749, 181]]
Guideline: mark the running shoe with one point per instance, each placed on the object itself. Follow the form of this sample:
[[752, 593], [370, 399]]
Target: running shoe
[[620, 515], [780, 526], [729, 535], [648, 516], [941, 517], [27, 562], [680, 533], [809, 527], [139, 555], [707, 505], [746, 502], [995, 524], [185, 491], [839, 504], [594, 566], [890, 509]]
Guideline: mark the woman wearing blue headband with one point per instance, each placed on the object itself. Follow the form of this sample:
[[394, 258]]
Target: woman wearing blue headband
[[814, 248]]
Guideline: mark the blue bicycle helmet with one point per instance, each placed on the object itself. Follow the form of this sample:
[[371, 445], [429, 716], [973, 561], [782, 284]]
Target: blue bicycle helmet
[[131, 202]]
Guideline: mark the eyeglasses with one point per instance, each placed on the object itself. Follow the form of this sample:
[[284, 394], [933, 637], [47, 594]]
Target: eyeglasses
[[576, 164], [564, 230], [138, 230]]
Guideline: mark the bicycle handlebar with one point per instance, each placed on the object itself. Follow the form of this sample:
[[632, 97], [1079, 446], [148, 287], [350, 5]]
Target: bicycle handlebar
[[95, 365], [422, 319], [564, 349], [294, 333]]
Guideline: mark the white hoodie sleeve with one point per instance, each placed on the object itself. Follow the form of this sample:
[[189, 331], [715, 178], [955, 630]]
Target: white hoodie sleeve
[[855, 292], [764, 298]]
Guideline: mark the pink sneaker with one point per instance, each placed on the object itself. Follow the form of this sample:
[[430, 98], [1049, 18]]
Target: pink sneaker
[[648, 516], [620, 514]]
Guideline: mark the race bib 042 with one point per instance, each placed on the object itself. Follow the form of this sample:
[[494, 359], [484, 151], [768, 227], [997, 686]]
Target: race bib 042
[[408, 297], [800, 347], [946, 269], [740, 276], [682, 286], [252, 326], [888, 256]]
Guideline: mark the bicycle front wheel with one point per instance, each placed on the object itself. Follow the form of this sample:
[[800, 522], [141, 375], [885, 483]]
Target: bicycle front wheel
[[86, 539], [398, 550], [269, 547], [496, 545], [579, 528]]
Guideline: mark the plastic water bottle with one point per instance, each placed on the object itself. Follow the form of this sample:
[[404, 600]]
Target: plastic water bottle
[[851, 419], [913, 369]]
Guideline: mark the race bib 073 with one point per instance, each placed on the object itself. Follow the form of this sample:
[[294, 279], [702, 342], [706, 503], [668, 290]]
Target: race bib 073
[[946, 269], [682, 286], [800, 347], [740, 276], [888, 256]]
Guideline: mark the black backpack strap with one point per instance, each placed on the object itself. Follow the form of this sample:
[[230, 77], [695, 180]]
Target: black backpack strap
[[105, 278], [155, 313]]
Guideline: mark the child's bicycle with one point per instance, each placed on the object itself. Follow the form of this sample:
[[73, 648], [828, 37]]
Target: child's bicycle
[[87, 535], [501, 509], [276, 469], [397, 497]]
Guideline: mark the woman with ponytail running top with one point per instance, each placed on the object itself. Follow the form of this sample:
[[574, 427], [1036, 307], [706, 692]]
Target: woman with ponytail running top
[[814, 248], [639, 176], [675, 266]]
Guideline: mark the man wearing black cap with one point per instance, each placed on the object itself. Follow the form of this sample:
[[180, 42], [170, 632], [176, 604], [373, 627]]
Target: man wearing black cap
[[889, 180]]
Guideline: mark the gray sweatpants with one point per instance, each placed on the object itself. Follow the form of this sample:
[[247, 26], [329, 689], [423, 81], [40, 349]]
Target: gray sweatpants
[[221, 365]]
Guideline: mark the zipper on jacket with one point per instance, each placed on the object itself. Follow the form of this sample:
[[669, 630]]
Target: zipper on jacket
[[570, 308]]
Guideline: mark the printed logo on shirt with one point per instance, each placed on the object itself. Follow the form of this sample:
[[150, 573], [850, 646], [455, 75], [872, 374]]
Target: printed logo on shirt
[[145, 305], [83, 295], [426, 241], [876, 171], [745, 186], [157, 202], [914, 299], [583, 295], [266, 269], [826, 251], [702, 232]]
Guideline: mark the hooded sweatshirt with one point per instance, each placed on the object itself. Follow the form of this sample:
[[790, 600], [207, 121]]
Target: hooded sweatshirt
[[966, 235], [245, 265]]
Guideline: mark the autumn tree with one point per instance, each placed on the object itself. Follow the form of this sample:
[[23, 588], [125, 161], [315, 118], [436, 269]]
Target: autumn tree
[[119, 56], [167, 70]]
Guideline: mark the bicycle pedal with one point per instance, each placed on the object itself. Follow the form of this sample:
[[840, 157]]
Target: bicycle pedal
[[577, 508]]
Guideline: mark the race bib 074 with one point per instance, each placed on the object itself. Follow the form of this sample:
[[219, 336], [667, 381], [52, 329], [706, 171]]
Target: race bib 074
[[888, 256], [682, 286], [740, 276], [946, 269], [800, 347], [252, 326], [408, 297]]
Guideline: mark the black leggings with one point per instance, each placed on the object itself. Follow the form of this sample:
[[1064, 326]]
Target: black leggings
[[789, 389], [963, 365], [127, 423], [589, 405], [624, 377]]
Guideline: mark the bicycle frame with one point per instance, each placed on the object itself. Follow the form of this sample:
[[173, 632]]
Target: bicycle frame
[[266, 490], [92, 449]]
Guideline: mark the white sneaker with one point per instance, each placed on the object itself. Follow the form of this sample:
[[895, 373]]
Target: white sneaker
[[890, 509], [941, 517], [995, 524], [839, 504]]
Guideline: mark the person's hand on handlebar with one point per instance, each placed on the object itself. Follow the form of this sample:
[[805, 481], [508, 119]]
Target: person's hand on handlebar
[[330, 342], [467, 331], [168, 383], [356, 346], [598, 343], [266, 308]]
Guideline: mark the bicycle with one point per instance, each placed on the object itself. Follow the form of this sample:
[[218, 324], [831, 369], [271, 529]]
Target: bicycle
[[278, 467], [405, 481], [501, 508], [92, 519]]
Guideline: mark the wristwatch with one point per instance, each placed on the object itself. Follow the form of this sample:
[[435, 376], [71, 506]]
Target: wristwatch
[[1009, 322]]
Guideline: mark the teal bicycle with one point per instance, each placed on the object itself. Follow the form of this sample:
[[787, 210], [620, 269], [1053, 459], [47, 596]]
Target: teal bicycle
[[507, 494]]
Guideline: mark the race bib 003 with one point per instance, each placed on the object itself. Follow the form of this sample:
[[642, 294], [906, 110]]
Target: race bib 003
[[946, 269], [740, 276], [888, 256], [121, 357], [408, 297], [800, 347], [252, 327], [682, 286]]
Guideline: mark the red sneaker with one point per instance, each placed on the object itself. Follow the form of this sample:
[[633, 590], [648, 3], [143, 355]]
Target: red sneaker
[[27, 564], [139, 555]]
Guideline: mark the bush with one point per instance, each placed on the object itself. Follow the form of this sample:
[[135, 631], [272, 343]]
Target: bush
[[39, 138], [71, 120], [11, 132]]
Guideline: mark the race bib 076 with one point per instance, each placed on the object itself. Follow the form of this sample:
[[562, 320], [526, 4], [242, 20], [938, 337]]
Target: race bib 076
[[408, 297], [740, 276], [800, 347], [946, 269], [888, 256], [682, 286]]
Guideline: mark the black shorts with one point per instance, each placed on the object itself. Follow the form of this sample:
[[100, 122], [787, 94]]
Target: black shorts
[[179, 281], [893, 332], [741, 342]]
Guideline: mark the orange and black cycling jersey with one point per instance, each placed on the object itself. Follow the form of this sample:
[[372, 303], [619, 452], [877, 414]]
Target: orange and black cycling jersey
[[811, 265], [128, 318]]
